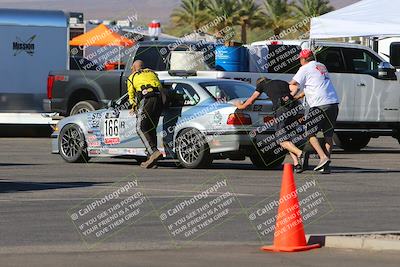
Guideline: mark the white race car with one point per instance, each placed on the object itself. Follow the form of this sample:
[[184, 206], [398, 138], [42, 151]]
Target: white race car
[[200, 124]]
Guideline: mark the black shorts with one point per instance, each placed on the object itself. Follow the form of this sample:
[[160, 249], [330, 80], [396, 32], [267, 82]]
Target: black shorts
[[322, 118], [286, 121]]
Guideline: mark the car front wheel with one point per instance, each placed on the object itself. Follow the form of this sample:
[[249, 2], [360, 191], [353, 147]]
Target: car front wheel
[[192, 149], [72, 145]]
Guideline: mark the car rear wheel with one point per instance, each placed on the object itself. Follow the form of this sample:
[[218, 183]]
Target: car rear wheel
[[192, 149], [267, 161], [351, 142], [84, 106], [72, 145]]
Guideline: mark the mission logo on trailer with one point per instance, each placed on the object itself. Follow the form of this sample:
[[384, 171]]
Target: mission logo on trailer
[[27, 46]]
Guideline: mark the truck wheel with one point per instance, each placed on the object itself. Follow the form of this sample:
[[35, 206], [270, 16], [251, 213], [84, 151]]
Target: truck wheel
[[192, 149], [84, 106], [351, 142], [267, 161], [72, 144]]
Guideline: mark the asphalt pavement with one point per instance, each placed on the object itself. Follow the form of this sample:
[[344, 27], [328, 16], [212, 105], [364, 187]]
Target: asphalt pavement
[[40, 194]]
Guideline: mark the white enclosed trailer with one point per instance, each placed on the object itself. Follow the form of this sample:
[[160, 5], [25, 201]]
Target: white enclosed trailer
[[32, 43]]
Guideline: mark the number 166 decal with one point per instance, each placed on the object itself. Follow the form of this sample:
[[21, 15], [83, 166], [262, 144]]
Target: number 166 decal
[[111, 131]]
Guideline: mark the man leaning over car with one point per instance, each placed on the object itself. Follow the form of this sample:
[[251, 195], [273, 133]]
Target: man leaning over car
[[145, 96]]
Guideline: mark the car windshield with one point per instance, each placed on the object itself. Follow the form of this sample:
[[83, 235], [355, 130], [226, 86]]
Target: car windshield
[[229, 90]]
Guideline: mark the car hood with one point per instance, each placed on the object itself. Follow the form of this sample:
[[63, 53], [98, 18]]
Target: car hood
[[80, 119]]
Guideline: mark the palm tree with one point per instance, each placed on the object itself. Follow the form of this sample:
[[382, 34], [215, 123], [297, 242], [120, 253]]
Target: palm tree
[[250, 16], [311, 8], [277, 15], [190, 12], [228, 9]]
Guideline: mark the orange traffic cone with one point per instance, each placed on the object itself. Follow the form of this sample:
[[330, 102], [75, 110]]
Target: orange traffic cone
[[289, 231]]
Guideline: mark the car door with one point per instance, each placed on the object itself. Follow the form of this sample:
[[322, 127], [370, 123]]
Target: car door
[[332, 58], [183, 100], [376, 100], [119, 130]]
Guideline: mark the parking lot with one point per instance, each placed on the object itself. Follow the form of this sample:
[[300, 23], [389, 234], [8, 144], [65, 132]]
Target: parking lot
[[38, 189]]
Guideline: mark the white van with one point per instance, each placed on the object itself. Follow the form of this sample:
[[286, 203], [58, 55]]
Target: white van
[[368, 87]]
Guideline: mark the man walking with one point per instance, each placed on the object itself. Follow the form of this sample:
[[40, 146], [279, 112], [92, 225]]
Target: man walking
[[313, 79], [145, 96]]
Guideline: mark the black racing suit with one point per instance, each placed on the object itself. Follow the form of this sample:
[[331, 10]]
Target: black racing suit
[[148, 116]]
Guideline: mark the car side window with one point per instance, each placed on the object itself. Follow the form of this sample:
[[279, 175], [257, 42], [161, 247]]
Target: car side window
[[332, 58], [185, 93], [361, 61], [217, 93]]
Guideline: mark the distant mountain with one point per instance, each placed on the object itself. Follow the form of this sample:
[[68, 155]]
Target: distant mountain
[[117, 9]]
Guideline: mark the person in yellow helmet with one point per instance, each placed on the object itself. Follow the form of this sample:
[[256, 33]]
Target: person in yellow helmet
[[145, 96]]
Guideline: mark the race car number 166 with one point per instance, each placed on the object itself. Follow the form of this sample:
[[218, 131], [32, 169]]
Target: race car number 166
[[111, 131]]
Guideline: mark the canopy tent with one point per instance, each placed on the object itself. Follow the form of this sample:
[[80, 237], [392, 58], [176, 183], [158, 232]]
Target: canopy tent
[[101, 36], [367, 18]]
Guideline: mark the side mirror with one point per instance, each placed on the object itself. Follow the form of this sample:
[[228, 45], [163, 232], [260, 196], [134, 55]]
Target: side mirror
[[111, 104], [386, 71]]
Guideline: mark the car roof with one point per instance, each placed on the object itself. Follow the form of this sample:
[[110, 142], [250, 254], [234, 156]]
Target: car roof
[[306, 42], [199, 80]]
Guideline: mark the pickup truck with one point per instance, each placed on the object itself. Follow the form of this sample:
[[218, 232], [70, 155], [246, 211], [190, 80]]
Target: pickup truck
[[368, 87], [71, 92]]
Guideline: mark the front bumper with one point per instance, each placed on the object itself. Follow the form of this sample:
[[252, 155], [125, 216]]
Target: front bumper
[[54, 143]]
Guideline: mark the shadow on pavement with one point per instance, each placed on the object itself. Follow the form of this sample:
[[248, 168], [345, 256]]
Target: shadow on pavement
[[10, 187], [25, 130], [336, 169], [17, 164], [369, 150], [171, 164]]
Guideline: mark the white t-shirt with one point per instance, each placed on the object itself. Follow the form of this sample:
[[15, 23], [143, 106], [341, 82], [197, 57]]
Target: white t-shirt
[[318, 87]]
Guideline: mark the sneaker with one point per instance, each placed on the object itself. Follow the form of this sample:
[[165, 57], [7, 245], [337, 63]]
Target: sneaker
[[152, 160], [322, 164], [326, 170], [298, 168]]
